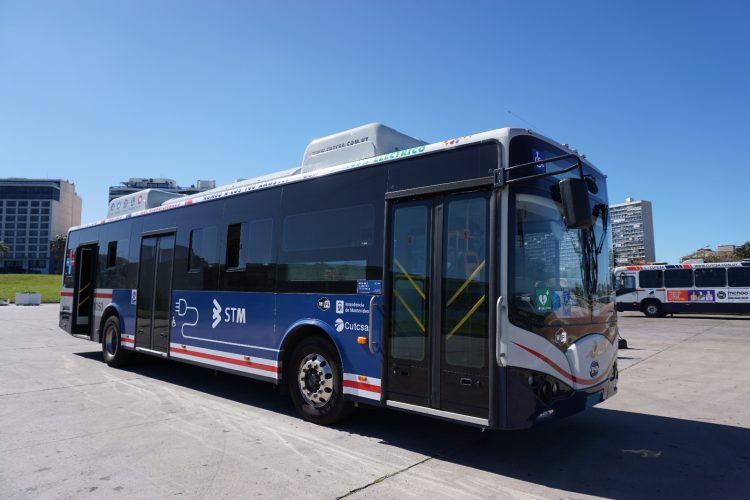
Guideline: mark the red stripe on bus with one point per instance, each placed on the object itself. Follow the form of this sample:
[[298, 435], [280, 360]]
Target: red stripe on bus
[[240, 362], [66, 294], [362, 386], [125, 340], [103, 295], [561, 371]]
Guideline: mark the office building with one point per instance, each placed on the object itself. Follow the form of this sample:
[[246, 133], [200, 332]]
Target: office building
[[135, 184], [32, 213], [632, 232]]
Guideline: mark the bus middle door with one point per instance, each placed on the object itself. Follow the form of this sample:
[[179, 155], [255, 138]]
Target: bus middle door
[[153, 307]]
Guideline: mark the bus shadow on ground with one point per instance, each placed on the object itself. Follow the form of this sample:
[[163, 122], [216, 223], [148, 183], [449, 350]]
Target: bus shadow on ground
[[216, 383], [723, 317], [602, 452], [730, 317], [608, 453]]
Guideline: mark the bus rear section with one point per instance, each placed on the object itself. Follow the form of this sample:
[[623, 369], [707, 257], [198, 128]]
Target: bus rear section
[[445, 280]]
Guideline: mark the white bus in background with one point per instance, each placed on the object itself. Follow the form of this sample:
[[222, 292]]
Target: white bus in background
[[656, 290]]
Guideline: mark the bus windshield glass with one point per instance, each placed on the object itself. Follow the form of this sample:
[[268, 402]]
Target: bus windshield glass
[[560, 280]]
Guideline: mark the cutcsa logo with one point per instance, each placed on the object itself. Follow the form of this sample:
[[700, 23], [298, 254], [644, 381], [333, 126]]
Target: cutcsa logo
[[340, 325]]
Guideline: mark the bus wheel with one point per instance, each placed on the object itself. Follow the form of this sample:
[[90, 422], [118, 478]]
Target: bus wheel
[[652, 309], [112, 351], [316, 384]]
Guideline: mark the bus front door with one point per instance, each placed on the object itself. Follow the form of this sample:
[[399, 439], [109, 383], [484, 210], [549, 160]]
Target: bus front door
[[437, 291], [153, 305], [83, 299]]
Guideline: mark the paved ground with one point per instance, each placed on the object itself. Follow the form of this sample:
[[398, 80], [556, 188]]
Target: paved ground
[[70, 427]]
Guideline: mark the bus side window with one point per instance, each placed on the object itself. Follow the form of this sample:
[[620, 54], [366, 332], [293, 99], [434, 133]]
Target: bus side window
[[628, 282], [236, 236], [739, 276], [624, 283], [650, 279], [711, 277], [678, 278]]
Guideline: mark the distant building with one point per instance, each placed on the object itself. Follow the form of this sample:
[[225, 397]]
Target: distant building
[[632, 232], [726, 251], [32, 213], [135, 184]]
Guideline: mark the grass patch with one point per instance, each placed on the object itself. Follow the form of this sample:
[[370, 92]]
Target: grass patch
[[46, 284]]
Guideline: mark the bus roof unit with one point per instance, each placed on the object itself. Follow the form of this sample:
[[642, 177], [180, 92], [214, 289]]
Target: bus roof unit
[[140, 200], [358, 143]]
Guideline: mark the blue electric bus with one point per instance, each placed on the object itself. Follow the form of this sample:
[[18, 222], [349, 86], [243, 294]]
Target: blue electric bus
[[467, 280]]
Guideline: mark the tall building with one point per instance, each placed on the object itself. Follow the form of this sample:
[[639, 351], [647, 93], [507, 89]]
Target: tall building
[[32, 213], [632, 232], [135, 184]]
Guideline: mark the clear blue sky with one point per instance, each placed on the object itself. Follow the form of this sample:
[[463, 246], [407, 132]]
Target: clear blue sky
[[655, 93]]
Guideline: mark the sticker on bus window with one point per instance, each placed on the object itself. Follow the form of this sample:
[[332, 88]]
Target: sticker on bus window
[[372, 287], [538, 156], [542, 299], [567, 310]]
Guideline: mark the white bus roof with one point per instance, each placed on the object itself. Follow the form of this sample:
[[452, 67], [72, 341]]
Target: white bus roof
[[661, 267], [389, 139]]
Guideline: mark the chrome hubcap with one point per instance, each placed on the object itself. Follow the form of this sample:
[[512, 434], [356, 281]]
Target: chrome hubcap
[[315, 380]]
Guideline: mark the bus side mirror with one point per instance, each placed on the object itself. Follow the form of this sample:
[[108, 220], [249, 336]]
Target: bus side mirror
[[574, 194]]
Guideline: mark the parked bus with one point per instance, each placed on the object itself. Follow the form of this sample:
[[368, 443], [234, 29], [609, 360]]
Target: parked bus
[[657, 290], [467, 280]]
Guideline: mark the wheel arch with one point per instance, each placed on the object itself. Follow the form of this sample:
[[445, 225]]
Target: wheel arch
[[645, 302], [301, 330], [109, 311]]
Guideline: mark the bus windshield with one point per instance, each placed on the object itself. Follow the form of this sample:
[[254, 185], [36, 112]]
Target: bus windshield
[[560, 282]]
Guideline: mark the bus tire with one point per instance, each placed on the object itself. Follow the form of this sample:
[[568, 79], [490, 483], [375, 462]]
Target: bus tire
[[652, 309], [112, 351], [316, 382]]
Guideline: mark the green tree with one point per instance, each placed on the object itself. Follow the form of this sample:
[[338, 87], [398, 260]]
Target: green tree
[[707, 256], [57, 250], [743, 251], [4, 250]]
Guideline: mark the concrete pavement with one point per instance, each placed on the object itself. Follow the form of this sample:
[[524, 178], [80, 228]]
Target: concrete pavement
[[74, 428]]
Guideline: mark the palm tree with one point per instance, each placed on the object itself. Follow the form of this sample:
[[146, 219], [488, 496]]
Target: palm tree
[[57, 250], [4, 250]]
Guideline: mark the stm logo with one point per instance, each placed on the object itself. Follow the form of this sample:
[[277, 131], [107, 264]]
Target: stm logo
[[231, 315], [216, 314]]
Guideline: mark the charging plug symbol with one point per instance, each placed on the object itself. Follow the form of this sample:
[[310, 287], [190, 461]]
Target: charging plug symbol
[[181, 308]]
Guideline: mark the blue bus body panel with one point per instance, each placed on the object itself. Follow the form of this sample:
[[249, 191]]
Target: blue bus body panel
[[244, 331], [233, 322], [121, 301], [346, 317]]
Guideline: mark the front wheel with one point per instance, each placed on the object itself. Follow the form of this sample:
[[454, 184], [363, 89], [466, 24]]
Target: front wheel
[[652, 309], [112, 351], [316, 384]]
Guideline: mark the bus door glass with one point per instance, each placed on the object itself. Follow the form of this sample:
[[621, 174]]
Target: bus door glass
[[83, 299], [438, 346], [154, 293]]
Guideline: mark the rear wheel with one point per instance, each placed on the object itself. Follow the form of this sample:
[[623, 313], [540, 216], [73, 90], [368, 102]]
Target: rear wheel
[[315, 381], [652, 309], [112, 351]]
